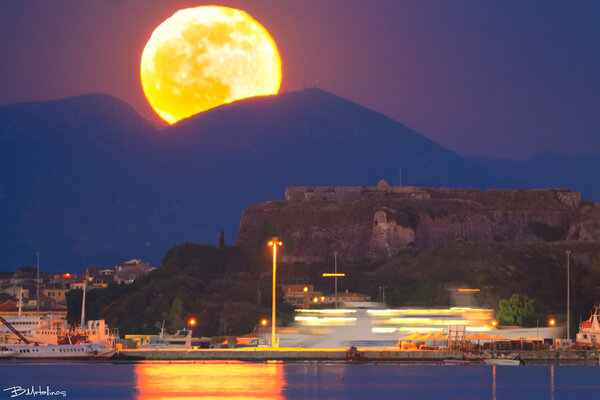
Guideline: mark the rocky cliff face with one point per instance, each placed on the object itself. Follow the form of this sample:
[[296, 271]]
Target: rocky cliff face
[[585, 224], [374, 222]]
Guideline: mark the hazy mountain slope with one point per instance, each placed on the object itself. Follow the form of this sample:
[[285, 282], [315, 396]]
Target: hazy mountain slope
[[88, 182], [249, 151], [314, 137], [69, 180]]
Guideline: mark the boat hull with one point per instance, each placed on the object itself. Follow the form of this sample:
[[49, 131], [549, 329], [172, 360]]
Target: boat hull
[[59, 352], [458, 362], [502, 361], [4, 354]]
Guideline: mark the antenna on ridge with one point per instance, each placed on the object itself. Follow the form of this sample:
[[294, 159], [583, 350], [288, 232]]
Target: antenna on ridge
[[400, 175]]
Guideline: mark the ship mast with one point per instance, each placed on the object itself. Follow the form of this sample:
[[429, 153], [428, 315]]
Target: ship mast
[[20, 300], [81, 325]]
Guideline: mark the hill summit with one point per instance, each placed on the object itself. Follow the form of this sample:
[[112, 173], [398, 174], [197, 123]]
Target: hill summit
[[377, 222], [86, 181]]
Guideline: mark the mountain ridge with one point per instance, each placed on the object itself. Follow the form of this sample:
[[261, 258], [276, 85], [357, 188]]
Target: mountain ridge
[[88, 182]]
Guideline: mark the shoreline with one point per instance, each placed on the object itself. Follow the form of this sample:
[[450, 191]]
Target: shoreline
[[369, 356]]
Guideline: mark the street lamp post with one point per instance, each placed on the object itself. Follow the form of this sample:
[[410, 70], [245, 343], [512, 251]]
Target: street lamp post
[[335, 279], [263, 322], [37, 255], [382, 294], [274, 243], [190, 326], [335, 275], [568, 294]]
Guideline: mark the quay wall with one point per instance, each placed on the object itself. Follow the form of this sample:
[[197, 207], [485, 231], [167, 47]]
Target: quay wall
[[252, 354], [370, 355]]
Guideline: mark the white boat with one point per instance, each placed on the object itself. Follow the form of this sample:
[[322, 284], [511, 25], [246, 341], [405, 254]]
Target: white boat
[[589, 331], [503, 361], [457, 362], [52, 330], [83, 351], [26, 325], [55, 331], [182, 339], [5, 352]]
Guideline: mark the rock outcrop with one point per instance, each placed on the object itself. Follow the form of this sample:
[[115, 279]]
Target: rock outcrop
[[585, 225], [375, 222]]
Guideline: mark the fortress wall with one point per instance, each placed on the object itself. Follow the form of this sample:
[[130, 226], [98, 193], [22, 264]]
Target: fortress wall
[[344, 193]]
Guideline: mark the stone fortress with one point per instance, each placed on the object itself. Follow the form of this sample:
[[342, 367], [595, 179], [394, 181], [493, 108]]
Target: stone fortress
[[376, 221], [343, 193]]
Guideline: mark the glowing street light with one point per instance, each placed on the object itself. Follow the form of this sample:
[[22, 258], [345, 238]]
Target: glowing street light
[[191, 322], [552, 322], [274, 243], [263, 322]]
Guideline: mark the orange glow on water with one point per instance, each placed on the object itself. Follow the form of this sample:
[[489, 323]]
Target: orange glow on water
[[209, 380]]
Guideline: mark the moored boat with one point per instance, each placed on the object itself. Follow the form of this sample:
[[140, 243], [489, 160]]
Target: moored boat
[[83, 351], [182, 339], [503, 361], [589, 332], [458, 362], [5, 352]]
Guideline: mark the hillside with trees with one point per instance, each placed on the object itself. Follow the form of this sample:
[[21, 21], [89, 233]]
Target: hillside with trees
[[219, 287], [228, 291]]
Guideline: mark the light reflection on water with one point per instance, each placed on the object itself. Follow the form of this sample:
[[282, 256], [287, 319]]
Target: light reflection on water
[[291, 381], [209, 380], [239, 380]]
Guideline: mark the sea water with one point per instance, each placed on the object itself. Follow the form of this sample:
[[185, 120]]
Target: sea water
[[277, 380]]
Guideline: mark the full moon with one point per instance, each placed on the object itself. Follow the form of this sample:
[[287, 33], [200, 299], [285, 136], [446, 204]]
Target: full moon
[[203, 57]]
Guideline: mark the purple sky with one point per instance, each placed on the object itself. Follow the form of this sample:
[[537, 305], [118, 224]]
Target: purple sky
[[499, 78]]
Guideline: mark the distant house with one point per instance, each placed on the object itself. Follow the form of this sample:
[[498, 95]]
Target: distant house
[[7, 305], [15, 290], [91, 284], [56, 292], [99, 277], [348, 296], [76, 285], [47, 303], [301, 295], [63, 279], [129, 271]]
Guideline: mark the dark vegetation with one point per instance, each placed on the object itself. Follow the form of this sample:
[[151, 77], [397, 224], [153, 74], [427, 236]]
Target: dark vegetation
[[218, 287], [428, 276], [229, 292], [515, 310]]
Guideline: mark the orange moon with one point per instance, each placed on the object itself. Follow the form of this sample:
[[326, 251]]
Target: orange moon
[[203, 57]]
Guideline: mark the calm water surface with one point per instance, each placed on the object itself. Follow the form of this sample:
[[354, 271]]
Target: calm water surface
[[192, 380]]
